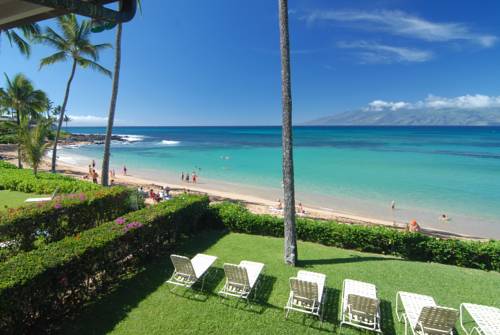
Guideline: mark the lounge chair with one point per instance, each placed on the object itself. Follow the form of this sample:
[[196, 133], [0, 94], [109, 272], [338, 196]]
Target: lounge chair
[[360, 305], [43, 199], [486, 318], [423, 316], [241, 279], [189, 271], [307, 293]]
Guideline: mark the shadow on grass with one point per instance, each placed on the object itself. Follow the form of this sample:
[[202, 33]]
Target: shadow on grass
[[101, 316], [305, 263], [387, 319], [257, 304], [330, 314]]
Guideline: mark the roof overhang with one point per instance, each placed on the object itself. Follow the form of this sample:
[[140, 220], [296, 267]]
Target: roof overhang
[[14, 13]]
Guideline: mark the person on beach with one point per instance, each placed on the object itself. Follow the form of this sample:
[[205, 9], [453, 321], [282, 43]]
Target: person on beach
[[444, 218], [94, 176], [300, 209], [182, 176], [90, 170], [187, 177], [393, 205], [194, 178], [280, 205], [124, 170], [413, 227]]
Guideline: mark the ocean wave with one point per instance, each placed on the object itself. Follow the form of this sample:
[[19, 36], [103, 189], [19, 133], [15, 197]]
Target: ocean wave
[[169, 142], [132, 138]]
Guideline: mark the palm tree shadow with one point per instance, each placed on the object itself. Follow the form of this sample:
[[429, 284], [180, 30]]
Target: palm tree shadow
[[305, 263], [101, 315], [387, 320]]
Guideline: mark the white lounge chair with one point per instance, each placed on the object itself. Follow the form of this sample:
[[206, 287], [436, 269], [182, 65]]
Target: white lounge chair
[[307, 293], [187, 271], [43, 199], [241, 279], [360, 305], [486, 318], [423, 316]]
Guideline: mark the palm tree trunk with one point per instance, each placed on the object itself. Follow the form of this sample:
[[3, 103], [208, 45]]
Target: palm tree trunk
[[112, 106], [61, 117], [19, 162], [291, 253]]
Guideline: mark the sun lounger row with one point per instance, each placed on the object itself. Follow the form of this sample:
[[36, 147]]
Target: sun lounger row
[[360, 306]]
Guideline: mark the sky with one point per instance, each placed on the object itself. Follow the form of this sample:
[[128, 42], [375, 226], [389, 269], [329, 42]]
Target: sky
[[194, 62]]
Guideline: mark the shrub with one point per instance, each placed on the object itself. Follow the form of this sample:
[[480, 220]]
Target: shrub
[[65, 215], [7, 165], [377, 239], [39, 287], [23, 180]]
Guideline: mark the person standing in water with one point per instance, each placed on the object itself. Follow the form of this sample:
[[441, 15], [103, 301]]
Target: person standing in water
[[393, 205], [182, 176], [124, 170], [187, 177]]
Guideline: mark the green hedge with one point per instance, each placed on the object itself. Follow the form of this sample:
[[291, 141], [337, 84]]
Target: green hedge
[[66, 215], [39, 287], [377, 239], [23, 180]]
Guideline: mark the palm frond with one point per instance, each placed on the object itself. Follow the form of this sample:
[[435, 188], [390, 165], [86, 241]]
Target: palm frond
[[30, 30], [60, 56], [53, 39], [87, 63], [23, 46]]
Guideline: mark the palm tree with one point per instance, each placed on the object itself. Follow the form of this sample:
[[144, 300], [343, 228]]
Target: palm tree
[[33, 142], [112, 105], [291, 253], [66, 120], [21, 98], [29, 31], [74, 44]]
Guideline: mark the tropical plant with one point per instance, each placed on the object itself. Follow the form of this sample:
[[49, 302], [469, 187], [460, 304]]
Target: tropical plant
[[21, 98], [29, 32], [33, 142], [66, 120], [112, 105], [291, 253], [73, 43]]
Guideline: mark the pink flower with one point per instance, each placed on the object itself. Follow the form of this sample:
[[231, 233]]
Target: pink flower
[[132, 225], [57, 206], [120, 220]]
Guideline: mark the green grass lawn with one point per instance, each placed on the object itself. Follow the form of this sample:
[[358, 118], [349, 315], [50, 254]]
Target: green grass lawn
[[144, 304], [12, 199]]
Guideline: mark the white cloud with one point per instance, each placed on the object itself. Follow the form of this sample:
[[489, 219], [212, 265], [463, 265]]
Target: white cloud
[[476, 101], [380, 53], [87, 120], [403, 24]]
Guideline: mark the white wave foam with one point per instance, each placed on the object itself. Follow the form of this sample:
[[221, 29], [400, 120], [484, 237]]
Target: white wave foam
[[132, 138], [168, 142]]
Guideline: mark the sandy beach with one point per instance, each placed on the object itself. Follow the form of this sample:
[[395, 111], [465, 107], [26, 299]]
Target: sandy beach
[[260, 201]]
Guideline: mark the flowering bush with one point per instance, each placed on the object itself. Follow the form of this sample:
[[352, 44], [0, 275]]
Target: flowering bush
[[66, 215], [40, 287]]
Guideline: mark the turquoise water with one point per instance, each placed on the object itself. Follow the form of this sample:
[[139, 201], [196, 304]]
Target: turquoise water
[[453, 170]]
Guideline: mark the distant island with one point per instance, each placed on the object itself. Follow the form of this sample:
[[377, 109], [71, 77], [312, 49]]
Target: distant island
[[413, 117]]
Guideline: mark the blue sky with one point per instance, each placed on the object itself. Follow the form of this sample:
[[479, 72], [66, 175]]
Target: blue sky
[[192, 62]]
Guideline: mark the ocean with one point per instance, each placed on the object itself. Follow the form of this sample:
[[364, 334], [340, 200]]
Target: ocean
[[427, 171]]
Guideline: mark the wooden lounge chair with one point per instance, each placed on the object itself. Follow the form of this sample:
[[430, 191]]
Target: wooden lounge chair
[[45, 199], [307, 293], [241, 279], [360, 305], [486, 318], [189, 271], [423, 316]]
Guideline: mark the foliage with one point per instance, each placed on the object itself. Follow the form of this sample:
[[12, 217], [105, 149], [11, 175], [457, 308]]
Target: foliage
[[23, 180], [21, 97], [7, 165], [66, 215], [29, 31], [59, 277], [33, 142], [383, 240]]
